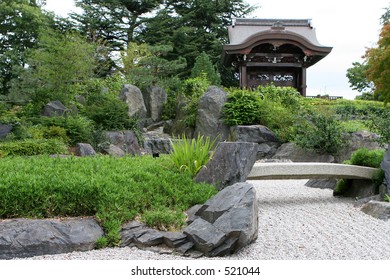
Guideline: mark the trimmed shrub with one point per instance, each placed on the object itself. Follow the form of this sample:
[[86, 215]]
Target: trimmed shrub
[[366, 157], [32, 147]]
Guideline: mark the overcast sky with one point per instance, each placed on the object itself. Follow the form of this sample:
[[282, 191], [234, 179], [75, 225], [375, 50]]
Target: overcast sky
[[347, 26]]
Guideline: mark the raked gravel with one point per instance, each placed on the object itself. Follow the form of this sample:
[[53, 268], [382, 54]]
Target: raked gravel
[[295, 223]]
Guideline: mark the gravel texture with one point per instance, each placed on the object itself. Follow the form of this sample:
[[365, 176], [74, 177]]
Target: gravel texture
[[295, 223]]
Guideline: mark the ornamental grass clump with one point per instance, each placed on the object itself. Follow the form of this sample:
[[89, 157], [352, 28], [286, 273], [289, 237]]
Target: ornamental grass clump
[[190, 155]]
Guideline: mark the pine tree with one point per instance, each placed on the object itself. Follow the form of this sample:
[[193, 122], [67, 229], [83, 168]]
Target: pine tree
[[204, 65]]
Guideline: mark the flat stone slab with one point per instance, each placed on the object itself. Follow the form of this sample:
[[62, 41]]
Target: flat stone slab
[[309, 170], [23, 238]]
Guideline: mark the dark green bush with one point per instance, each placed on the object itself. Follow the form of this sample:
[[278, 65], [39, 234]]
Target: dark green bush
[[31, 147], [366, 157], [320, 132], [110, 114], [79, 129], [242, 108]]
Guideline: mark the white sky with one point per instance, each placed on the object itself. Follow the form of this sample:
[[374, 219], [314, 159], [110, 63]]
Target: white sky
[[347, 26]]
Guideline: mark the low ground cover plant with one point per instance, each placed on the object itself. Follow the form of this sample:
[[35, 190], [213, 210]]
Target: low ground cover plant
[[114, 190]]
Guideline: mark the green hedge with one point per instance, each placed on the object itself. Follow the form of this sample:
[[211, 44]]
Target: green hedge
[[32, 147]]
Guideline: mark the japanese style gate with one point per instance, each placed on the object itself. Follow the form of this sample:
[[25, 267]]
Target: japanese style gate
[[274, 51]]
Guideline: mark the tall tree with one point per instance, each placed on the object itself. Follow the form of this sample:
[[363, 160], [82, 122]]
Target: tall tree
[[378, 61], [193, 27], [20, 25], [204, 66], [58, 63], [357, 77], [115, 21]]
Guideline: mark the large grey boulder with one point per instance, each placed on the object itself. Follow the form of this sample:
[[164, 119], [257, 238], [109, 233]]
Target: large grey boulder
[[23, 238], [5, 129], [260, 134], [385, 165], [297, 154], [126, 140], [133, 97], [115, 151], [84, 150], [231, 163], [209, 120], [55, 109], [154, 98], [157, 142], [227, 222]]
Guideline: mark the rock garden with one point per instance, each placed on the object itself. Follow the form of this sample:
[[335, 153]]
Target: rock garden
[[197, 206]]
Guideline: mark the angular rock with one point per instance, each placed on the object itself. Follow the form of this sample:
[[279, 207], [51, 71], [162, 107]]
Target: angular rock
[[296, 154], [133, 97], [154, 98], [204, 235], [114, 151], [265, 151], [84, 150], [174, 239], [385, 165], [5, 129], [183, 249], [209, 120], [55, 109], [130, 231], [150, 237], [23, 238], [226, 248], [126, 140], [231, 163], [227, 222], [322, 183], [253, 133], [377, 209], [240, 220], [230, 197], [260, 134], [194, 212], [157, 142]]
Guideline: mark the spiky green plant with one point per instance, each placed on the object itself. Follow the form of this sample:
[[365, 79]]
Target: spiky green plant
[[190, 155]]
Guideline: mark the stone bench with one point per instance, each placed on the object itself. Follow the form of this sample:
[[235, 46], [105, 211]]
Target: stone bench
[[309, 170]]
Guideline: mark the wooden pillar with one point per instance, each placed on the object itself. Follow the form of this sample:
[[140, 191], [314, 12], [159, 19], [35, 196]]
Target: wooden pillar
[[303, 79], [243, 76]]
